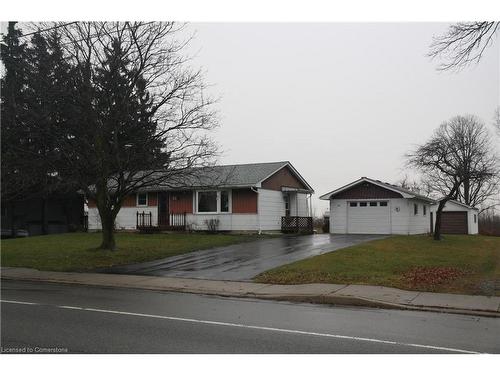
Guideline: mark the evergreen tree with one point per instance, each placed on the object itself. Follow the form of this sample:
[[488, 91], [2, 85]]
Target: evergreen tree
[[16, 180]]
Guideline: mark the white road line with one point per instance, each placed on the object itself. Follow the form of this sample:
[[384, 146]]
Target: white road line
[[20, 302], [262, 328]]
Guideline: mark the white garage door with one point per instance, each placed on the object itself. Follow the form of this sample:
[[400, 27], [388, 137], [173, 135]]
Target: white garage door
[[368, 217]]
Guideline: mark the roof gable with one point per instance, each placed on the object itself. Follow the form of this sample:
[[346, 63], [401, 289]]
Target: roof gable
[[402, 192], [366, 190], [283, 177]]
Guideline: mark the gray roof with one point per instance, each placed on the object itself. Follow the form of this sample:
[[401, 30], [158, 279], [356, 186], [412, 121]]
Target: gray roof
[[238, 175]]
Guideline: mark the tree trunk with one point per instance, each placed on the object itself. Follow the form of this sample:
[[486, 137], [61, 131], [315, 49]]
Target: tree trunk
[[442, 203], [108, 232], [437, 226]]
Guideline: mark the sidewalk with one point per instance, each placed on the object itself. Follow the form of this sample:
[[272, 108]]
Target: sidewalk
[[359, 295]]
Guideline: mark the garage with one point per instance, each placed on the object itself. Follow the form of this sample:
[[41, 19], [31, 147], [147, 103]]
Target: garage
[[456, 218], [454, 222], [368, 206], [371, 217]]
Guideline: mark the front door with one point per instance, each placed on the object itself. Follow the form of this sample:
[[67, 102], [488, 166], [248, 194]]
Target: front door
[[163, 208]]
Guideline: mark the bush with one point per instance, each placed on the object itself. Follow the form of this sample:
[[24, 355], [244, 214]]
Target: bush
[[489, 223], [212, 225]]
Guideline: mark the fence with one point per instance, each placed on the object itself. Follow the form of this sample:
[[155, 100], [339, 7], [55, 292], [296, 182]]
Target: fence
[[296, 224]]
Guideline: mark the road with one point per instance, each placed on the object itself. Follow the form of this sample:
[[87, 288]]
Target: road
[[243, 261], [83, 319]]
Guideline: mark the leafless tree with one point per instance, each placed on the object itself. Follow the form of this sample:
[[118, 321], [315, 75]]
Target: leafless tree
[[463, 44], [143, 119], [456, 160]]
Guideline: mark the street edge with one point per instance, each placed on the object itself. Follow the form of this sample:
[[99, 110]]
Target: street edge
[[316, 299]]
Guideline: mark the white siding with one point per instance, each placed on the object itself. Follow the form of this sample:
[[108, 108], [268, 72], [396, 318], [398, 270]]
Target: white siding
[[303, 204], [338, 216], [126, 218], [236, 222], [271, 207], [270, 204], [419, 223], [402, 220]]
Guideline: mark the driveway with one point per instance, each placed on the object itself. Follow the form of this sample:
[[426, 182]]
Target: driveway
[[244, 261]]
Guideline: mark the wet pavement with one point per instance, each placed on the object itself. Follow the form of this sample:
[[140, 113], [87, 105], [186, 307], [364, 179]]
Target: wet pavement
[[242, 262]]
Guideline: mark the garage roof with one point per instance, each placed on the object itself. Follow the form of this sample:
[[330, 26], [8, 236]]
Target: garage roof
[[405, 193]]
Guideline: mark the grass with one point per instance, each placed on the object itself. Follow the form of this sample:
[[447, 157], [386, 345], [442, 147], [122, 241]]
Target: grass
[[456, 264], [78, 251]]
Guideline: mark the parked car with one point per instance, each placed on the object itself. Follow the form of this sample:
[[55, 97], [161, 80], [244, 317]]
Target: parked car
[[7, 233]]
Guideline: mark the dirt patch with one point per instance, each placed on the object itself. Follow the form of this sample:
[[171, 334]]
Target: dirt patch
[[430, 277]]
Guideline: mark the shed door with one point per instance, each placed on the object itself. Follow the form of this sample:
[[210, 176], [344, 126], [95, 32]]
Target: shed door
[[454, 222], [368, 217]]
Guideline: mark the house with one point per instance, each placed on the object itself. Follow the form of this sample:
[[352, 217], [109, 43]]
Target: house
[[59, 213], [368, 206], [456, 218], [244, 197]]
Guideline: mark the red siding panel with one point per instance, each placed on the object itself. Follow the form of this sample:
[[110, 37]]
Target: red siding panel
[[244, 201], [181, 201], [130, 201], [367, 190], [284, 177], [152, 199]]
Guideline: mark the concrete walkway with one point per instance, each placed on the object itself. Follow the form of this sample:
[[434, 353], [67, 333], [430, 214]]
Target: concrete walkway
[[362, 295]]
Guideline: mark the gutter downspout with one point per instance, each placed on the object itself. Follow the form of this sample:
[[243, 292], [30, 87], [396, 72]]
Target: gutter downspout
[[258, 213]]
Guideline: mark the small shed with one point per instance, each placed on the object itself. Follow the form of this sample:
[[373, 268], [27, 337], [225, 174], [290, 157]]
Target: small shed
[[457, 218]]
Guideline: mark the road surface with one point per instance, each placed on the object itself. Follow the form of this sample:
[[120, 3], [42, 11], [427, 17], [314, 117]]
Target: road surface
[[79, 319]]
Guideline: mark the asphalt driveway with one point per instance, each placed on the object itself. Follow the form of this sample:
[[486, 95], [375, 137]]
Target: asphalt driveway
[[245, 260]]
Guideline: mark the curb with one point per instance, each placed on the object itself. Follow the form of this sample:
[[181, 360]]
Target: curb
[[342, 300]]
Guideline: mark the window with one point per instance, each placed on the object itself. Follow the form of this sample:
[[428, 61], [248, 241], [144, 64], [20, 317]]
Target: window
[[373, 204], [353, 204], [224, 201], [415, 209], [207, 201], [362, 204], [383, 204], [142, 199], [425, 210], [475, 218], [213, 201]]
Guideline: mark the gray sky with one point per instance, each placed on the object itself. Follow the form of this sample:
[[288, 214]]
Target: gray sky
[[340, 101]]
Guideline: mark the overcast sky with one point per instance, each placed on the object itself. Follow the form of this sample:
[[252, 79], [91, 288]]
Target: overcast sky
[[339, 101]]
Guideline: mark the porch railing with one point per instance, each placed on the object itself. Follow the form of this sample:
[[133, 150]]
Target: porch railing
[[145, 223], [144, 220], [296, 224], [172, 221]]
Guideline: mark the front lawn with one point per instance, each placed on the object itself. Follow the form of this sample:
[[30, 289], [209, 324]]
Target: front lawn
[[456, 264], [78, 251]]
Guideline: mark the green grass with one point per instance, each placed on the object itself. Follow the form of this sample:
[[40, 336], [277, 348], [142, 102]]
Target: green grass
[[78, 251], [387, 261]]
